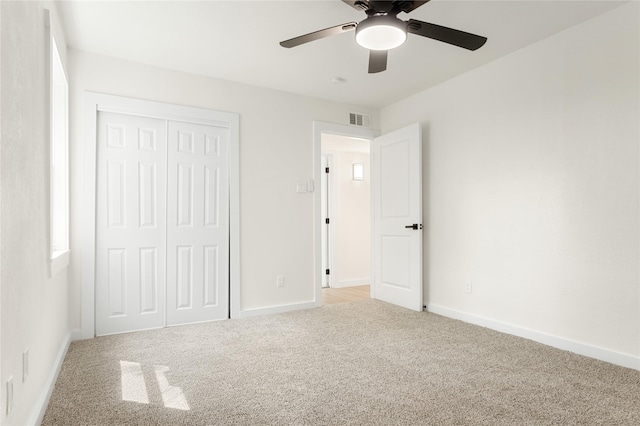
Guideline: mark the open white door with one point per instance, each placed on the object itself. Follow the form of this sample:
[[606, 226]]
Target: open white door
[[397, 216]]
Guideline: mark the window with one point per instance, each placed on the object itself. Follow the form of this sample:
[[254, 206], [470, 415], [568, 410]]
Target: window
[[59, 197]]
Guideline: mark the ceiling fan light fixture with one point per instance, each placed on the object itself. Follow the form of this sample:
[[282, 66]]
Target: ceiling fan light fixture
[[381, 32]]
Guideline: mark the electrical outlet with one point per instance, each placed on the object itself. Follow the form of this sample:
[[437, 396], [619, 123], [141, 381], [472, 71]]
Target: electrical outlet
[[280, 281], [468, 287], [9, 395], [25, 365]]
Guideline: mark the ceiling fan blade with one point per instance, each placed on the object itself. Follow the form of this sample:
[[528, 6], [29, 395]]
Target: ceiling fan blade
[[338, 29], [377, 61], [448, 35], [408, 6]]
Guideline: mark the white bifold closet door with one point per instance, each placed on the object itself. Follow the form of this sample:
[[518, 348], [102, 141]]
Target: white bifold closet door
[[197, 224], [162, 225]]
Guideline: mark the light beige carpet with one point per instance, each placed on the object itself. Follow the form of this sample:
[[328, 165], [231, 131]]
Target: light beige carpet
[[350, 364]]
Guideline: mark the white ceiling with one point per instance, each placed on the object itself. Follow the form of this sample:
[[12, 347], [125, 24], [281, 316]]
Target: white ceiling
[[238, 41]]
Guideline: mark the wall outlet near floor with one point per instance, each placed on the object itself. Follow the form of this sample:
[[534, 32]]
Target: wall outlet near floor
[[9, 395], [468, 287], [25, 365], [280, 281]]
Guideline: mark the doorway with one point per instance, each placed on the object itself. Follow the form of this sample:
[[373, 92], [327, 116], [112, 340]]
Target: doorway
[[336, 136], [346, 210], [396, 213]]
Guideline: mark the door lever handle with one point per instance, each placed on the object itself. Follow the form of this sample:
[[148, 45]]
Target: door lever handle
[[414, 226]]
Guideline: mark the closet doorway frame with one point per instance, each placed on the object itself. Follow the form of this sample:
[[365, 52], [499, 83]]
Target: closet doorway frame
[[98, 102]]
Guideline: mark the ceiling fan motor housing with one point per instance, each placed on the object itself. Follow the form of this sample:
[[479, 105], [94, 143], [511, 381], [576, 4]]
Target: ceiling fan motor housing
[[381, 32]]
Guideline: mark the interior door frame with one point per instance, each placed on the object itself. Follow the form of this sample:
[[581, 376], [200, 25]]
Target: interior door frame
[[319, 128], [98, 102], [330, 233]]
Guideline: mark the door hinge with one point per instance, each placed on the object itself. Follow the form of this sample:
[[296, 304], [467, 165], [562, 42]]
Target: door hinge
[[327, 272], [326, 170], [326, 221]]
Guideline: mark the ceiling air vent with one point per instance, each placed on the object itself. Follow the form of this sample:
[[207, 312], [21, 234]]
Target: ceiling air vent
[[360, 120]]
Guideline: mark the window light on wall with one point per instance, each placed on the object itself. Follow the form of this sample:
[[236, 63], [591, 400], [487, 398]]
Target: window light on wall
[[59, 162], [358, 171]]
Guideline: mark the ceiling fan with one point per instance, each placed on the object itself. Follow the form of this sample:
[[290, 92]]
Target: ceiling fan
[[382, 30]]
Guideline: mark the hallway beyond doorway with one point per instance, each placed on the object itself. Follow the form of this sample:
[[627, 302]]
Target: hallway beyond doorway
[[332, 296]]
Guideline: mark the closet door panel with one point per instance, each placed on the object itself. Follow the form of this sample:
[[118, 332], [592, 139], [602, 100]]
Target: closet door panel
[[130, 223], [197, 223]]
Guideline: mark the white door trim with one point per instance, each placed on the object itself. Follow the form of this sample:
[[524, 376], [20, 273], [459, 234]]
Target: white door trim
[[330, 213], [96, 102], [336, 129]]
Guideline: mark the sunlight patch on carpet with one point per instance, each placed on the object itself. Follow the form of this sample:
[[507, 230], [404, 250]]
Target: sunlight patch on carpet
[[172, 396], [133, 386]]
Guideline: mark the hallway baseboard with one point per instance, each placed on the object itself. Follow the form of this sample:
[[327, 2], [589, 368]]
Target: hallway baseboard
[[278, 309]]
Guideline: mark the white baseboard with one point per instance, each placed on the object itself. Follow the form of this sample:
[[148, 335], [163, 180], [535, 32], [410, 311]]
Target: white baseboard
[[278, 309], [351, 283], [607, 355], [80, 335], [40, 407]]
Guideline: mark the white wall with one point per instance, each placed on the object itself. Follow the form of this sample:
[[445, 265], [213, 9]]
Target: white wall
[[351, 212], [276, 223], [33, 306], [354, 227], [532, 186]]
